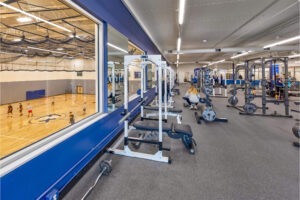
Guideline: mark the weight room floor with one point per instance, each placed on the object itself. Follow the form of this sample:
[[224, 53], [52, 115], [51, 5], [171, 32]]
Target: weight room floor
[[247, 158]]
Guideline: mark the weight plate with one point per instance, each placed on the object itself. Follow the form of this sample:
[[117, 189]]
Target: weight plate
[[250, 108], [209, 114], [250, 97], [233, 100], [233, 92]]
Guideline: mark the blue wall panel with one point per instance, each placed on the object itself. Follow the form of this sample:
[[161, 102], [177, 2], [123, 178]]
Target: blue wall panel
[[115, 13], [56, 167], [36, 94]]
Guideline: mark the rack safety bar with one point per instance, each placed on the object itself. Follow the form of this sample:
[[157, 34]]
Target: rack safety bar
[[129, 113]]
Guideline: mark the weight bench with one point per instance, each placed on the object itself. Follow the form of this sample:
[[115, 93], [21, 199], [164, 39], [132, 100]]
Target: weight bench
[[173, 112], [296, 131], [177, 131]]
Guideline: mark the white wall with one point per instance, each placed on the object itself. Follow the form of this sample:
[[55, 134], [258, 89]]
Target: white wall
[[14, 76], [185, 68]]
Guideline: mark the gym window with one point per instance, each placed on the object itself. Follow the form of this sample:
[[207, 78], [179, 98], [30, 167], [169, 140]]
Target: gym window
[[51, 62], [118, 46]]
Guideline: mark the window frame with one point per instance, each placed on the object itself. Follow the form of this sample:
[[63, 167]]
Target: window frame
[[30, 152]]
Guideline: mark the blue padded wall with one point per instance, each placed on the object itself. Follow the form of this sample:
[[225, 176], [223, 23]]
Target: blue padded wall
[[35, 94], [55, 168]]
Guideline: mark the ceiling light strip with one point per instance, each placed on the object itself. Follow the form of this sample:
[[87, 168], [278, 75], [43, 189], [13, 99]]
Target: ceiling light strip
[[178, 44], [116, 47], [33, 16], [4, 52], [181, 11], [240, 55], [283, 42], [294, 56], [220, 61], [35, 48]]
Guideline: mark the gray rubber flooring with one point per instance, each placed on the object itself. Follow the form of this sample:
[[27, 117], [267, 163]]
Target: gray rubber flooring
[[249, 157]]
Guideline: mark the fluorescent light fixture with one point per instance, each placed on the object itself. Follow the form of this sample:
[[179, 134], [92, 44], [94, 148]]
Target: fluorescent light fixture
[[116, 47], [71, 36], [181, 11], [240, 55], [294, 56], [178, 44], [220, 61], [17, 40], [283, 42], [58, 52], [60, 49], [24, 19], [3, 52], [177, 56], [33, 16]]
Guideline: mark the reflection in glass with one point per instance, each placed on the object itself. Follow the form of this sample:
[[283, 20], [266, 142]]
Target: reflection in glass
[[48, 73]]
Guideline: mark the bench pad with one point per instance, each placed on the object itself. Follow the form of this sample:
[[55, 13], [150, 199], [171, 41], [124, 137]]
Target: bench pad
[[171, 110], [184, 129], [152, 126]]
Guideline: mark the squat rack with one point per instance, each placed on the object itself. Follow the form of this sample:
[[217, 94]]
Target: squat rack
[[146, 59], [264, 84]]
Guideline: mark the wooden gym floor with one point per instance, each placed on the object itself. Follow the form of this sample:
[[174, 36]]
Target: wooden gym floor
[[17, 132]]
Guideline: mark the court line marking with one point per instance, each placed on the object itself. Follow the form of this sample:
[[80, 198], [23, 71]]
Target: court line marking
[[17, 138], [28, 153]]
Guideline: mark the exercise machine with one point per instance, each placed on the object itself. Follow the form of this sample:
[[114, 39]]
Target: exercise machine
[[207, 114], [182, 132], [249, 107], [168, 109]]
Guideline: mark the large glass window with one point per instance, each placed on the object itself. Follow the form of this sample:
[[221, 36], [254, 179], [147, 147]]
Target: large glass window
[[118, 46], [48, 74]]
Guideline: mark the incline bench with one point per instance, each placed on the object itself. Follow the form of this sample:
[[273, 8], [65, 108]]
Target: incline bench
[[174, 131]]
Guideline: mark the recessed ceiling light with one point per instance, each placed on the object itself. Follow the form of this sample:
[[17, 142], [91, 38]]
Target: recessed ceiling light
[[24, 19], [204, 41]]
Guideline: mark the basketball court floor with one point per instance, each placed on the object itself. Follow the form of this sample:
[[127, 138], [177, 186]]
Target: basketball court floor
[[17, 132]]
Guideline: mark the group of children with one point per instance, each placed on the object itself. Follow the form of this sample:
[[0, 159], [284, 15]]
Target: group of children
[[20, 108], [30, 112]]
